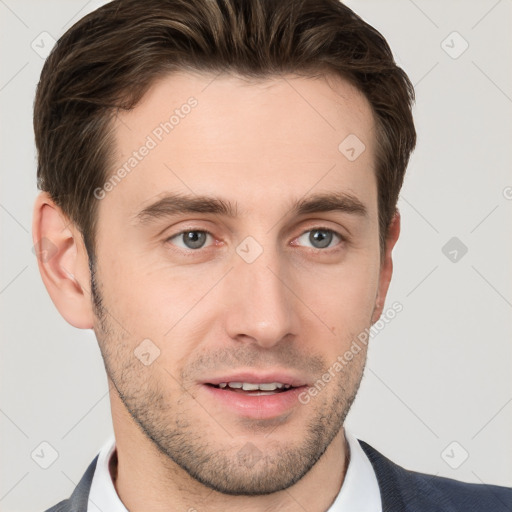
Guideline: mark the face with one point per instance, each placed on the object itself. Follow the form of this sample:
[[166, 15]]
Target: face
[[264, 282]]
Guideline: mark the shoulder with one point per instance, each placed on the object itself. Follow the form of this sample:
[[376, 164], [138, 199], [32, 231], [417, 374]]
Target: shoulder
[[78, 501], [406, 490]]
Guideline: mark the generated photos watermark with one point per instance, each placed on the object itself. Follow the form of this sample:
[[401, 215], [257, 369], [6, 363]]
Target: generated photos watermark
[[151, 142], [343, 359]]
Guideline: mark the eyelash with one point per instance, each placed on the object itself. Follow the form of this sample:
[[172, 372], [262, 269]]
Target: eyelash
[[316, 228]]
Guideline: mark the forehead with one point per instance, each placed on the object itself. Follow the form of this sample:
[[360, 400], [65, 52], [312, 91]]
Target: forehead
[[276, 138]]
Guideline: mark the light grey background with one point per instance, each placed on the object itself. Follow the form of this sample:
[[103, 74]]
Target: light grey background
[[439, 373]]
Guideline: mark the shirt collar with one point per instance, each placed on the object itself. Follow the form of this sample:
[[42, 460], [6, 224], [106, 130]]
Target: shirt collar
[[359, 492], [103, 495]]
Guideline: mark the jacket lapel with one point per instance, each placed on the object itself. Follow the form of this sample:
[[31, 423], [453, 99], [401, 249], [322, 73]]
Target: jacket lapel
[[78, 501], [391, 479]]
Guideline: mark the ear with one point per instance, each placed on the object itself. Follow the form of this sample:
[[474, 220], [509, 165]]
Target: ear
[[63, 262], [386, 270]]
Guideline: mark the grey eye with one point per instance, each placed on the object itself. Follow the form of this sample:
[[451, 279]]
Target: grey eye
[[193, 239], [319, 238]]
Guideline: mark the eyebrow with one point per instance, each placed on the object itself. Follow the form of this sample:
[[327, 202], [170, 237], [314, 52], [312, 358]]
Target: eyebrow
[[174, 204]]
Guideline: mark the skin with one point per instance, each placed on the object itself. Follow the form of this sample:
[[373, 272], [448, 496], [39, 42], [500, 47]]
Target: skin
[[262, 145]]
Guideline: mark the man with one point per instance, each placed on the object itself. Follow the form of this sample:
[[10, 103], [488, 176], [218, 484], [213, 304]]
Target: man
[[219, 185]]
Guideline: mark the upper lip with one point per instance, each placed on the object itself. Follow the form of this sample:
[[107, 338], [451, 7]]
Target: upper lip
[[259, 378]]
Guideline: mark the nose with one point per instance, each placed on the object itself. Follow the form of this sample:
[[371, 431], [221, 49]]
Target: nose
[[259, 301]]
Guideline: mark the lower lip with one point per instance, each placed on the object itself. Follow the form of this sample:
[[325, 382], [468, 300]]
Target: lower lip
[[256, 406]]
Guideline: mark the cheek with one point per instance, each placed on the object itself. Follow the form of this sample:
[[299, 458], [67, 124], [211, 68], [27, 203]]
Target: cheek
[[152, 300], [346, 296], [134, 300]]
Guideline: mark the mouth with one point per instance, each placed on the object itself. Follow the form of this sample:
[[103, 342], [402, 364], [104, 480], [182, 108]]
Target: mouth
[[257, 397], [254, 389]]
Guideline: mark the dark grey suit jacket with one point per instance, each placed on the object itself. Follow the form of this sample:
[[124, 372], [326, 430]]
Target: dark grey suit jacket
[[401, 491]]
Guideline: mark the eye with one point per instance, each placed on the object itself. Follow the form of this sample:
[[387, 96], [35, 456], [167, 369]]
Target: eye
[[192, 239], [320, 238]]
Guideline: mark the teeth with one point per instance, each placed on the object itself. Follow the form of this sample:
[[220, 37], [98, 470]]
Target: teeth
[[249, 386], [270, 386]]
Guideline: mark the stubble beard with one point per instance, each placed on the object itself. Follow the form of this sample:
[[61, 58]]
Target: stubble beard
[[231, 468]]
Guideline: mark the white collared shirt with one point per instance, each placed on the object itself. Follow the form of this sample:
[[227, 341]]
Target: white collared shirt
[[359, 492]]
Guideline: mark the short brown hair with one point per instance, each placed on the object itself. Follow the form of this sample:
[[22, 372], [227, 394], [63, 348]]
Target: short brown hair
[[109, 59]]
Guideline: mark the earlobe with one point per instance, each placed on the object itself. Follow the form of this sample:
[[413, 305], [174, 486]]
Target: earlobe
[[386, 270], [62, 261]]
